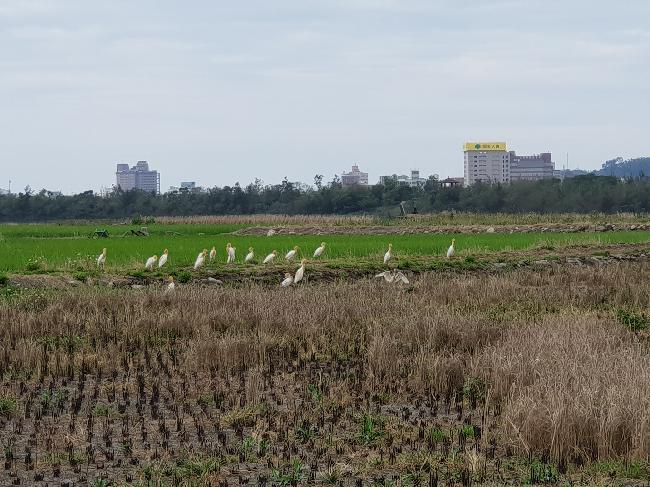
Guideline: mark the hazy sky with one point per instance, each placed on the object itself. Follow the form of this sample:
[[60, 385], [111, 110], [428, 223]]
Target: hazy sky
[[225, 91]]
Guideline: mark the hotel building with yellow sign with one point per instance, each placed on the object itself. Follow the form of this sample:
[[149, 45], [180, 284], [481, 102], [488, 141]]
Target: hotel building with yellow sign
[[487, 162], [491, 162], [485, 146]]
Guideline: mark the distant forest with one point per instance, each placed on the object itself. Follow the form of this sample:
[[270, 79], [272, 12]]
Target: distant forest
[[632, 168], [589, 193]]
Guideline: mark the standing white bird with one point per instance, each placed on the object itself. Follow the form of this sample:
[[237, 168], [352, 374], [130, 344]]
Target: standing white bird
[[300, 272], [150, 262], [101, 260], [250, 255], [269, 258], [200, 259], [213, 254], [389, 253], [292, 253], [270, 233], [288, 280], [452, 249], [231, 253], [319, 250], [163, 258], [171, 286]]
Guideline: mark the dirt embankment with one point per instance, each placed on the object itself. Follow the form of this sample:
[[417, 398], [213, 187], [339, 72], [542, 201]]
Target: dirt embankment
[[433, 229]]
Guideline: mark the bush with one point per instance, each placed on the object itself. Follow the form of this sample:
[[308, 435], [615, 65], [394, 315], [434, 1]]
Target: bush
[[33, 265], [184, 277], [634, 321], [7, 406], [81, 275]]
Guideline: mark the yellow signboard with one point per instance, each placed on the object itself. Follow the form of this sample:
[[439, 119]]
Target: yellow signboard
[[485, 146]]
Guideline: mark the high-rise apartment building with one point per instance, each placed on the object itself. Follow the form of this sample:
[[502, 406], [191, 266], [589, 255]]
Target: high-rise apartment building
[[137, 177], [354, 177], [487, 162]]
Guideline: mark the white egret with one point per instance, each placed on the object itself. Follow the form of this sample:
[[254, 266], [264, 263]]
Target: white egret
[[319, 250], [163, 258], [150, 262], [393, 276], [171, 286], [250, 255], [270, 233], [452, 249], [231, 253], [213, 254], [200, 259], [292, 253], [101, 260], [288, 280], [300, 272], [389, 253], [269, 258]]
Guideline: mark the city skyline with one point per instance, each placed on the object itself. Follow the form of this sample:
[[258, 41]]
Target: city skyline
[[225, 92], [372, 179]]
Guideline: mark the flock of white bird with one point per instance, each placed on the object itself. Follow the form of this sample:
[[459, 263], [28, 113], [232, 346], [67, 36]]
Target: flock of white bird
[[390, 276]]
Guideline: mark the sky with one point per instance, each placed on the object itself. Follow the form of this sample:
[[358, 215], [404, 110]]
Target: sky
[[220, 92]]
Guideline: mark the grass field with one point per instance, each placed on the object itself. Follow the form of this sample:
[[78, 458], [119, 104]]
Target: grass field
[[54, 248]]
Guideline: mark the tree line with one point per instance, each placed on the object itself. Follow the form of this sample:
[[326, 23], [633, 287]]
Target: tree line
[[581, 194]]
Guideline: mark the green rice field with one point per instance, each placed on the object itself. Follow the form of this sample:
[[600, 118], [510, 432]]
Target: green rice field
[[54, 248]]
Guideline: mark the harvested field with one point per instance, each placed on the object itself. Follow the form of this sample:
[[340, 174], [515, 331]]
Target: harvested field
[[533, 376], [441, 230], [438, 219]]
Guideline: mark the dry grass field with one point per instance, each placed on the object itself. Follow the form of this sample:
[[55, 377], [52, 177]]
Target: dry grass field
[[528, 376]]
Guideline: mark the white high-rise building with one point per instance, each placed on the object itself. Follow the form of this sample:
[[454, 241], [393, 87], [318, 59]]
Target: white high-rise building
[[487, 162], [137, 177]]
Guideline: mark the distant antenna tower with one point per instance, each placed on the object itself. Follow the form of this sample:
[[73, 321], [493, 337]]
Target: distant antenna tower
[[10, 186]]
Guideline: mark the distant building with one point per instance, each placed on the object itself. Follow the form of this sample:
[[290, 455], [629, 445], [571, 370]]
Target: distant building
[[137, 177], [185, 187], [568, 173], [531, 168], [487, 162], [354, 177], [413, 180], [491, 162], [452, 182]]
